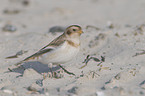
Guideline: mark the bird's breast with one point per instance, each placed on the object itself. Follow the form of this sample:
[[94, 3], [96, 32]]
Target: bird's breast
[[62, 54]]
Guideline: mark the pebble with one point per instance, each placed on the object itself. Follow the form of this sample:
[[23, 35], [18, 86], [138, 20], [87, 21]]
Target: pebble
[[40, 82], [34, 88], [110, 25], [117, 35], [55, 29], [73, 90], [26, 2], [11, 11], [141, 92], [21, 52], [142, 84], [9, 28]]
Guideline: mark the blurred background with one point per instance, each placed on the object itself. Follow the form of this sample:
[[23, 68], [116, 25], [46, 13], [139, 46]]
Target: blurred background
[[40, 15]]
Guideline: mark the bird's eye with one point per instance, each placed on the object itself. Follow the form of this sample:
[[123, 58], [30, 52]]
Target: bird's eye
[[68, 32], [74, 29]]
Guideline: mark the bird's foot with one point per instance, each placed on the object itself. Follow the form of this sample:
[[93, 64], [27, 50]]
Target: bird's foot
[[56, 74]]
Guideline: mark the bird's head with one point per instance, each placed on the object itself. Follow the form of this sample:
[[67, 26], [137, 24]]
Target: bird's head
[[73, 31]]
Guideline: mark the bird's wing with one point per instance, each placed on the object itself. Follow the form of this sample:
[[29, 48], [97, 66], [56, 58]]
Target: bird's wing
[[56, 42], [37, 54], [50, 47]]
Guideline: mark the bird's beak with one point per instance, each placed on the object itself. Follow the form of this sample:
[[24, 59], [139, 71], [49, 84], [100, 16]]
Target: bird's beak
[[81, 32]]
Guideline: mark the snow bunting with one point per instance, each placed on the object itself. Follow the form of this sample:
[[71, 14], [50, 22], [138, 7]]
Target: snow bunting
[[60, 50]]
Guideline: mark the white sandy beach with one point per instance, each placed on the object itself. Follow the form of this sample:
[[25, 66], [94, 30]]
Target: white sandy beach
[[114, 29]]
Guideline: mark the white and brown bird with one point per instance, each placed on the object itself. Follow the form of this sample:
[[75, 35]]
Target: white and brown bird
[[60, 50]]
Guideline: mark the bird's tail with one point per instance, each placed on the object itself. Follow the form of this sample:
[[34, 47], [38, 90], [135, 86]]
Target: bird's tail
[[20, 62], [26, 59]]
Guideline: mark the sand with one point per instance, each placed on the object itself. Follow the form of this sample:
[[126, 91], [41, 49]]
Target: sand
[[114, 30]]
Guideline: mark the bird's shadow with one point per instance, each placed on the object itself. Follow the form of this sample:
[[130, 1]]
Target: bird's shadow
[[37, 66]]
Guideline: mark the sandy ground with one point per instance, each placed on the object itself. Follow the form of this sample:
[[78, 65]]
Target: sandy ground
[[114, 29]]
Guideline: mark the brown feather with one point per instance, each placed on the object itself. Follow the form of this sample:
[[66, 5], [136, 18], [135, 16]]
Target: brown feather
[[56, 42], [72, 43]]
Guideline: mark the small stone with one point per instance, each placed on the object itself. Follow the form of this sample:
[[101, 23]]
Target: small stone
[[141, 92], [103, 88], [56, 29], [30, 88], [35, 88], [117, 35], [142, 84], [11, 11], [73, 90], [58, 89], [21, 52], [117, 77], [39, 82], [26, 2], [110, 25], [127, 25], [9, 28]]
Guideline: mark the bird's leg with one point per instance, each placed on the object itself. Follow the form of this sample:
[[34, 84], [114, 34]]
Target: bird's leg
[[50, 68], [49, 74], [70, 73], [52, 73]]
